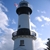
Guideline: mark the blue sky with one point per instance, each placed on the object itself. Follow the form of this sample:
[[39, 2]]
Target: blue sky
[[40, 8], [40, 20]]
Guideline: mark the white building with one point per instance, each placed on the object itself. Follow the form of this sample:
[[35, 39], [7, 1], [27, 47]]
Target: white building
[[23, 40]]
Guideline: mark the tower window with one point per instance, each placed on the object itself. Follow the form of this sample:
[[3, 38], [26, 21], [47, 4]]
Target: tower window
[[19, 26], [21, 42]]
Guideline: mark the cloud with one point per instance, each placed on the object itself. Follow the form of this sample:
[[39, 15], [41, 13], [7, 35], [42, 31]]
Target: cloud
[[0, 31], [6, 43], [46, 18], [3, 8], [42, 25], [38, 10], [32, 25], [30, 6], [3, 17], [41, 11], [5, 39], [39, 43], [39, 19], [47, 21], [13, 21]]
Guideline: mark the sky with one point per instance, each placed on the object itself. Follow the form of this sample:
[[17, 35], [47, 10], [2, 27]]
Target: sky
[[39, 21]]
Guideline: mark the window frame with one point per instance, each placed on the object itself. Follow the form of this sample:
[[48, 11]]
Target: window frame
[[22, 43]]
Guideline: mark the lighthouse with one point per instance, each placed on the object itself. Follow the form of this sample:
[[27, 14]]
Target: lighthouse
[[23, 39]]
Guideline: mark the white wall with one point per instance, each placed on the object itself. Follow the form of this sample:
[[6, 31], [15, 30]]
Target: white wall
[[23, 20], [28, 42]]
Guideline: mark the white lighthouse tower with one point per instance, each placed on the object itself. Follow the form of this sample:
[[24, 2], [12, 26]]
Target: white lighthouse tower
[[23, 40]]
